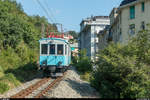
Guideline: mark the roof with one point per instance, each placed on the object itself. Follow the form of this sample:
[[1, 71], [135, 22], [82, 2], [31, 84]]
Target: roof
[[60, 39], [92, 18], [124, 2], [107, 17]]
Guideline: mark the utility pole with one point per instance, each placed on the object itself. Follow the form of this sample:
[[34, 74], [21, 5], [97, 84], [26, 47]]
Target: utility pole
[[48, 30], [42, 30], [61, 28]]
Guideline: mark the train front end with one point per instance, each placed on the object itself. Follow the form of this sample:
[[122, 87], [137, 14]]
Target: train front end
[[54, 56]]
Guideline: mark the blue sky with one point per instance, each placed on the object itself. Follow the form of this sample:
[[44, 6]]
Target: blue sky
[[69, 12]]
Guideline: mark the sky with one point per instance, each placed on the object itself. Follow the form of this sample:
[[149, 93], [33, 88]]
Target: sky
[[69, 13]]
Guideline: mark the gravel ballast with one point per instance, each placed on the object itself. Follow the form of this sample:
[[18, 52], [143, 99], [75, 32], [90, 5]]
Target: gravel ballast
[[72, 87]]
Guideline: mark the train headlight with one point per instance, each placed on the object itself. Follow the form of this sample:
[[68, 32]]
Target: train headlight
[[44, 63], [59, 62]]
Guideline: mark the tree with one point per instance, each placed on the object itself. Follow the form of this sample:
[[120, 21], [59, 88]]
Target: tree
[[19, 36], [123, 71], [74, 34], [84, 63]]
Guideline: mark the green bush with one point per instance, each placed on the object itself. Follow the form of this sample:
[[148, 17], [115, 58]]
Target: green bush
[[19, 35], [123, 71], [1, 69], [11, 78], [17, 66], [84, 63], [3, 87], [74, 60], [1, 74], [9, 59], [86, 76]]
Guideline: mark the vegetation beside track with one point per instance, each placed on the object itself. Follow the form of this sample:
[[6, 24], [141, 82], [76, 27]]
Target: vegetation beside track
[[123, 70], [83, 65], [19, 35]]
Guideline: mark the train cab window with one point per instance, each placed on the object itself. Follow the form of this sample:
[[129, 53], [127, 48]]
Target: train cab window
[[44, 48], [60, 49], [52, 49]]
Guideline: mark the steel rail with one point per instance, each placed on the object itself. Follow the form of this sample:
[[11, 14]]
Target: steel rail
[[30, 89], [50, 86]]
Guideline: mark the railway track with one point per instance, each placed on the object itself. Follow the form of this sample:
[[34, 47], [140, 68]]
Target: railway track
[[40, 95], [25, 92]]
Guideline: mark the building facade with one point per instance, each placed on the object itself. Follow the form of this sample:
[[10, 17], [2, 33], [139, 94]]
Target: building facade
[[134, 16], [103, 37], [88, 36], [115, 28]]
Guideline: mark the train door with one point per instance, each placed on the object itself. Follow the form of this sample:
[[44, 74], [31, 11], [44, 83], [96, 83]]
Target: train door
[[60, 54], [52, 54]]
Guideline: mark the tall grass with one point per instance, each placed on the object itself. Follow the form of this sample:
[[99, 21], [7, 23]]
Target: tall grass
[[17, 66], [83, 64]]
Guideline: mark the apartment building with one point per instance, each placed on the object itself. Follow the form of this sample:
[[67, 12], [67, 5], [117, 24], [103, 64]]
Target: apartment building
[[104, 37], [134, 15], [88, 36], [111, 32], [115, 28]]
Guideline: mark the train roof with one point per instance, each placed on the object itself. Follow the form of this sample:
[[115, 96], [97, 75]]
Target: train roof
[[60, 39]]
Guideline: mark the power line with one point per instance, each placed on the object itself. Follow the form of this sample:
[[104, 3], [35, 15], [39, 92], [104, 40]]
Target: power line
[[53, 16], [44, 10], [50, 11], [47, 13], [37, 7]]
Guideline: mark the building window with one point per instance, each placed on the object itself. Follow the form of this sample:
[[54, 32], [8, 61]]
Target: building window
[[132, 29], [44, 48], [60, 49], [132, 12], [143, 25], [52, 49], [143, 6]]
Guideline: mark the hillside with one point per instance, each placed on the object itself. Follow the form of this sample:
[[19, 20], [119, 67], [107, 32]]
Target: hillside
[[19, 35]]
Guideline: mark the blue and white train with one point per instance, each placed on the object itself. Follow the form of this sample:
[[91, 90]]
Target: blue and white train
[[55, 56]]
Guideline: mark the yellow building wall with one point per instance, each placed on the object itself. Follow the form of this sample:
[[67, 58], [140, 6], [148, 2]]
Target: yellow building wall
[[139, 17]]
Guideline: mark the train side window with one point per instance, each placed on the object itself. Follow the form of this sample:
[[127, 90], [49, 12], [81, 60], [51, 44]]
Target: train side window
[[60, 49], [65, 49], [44, 48], [52, 49]]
